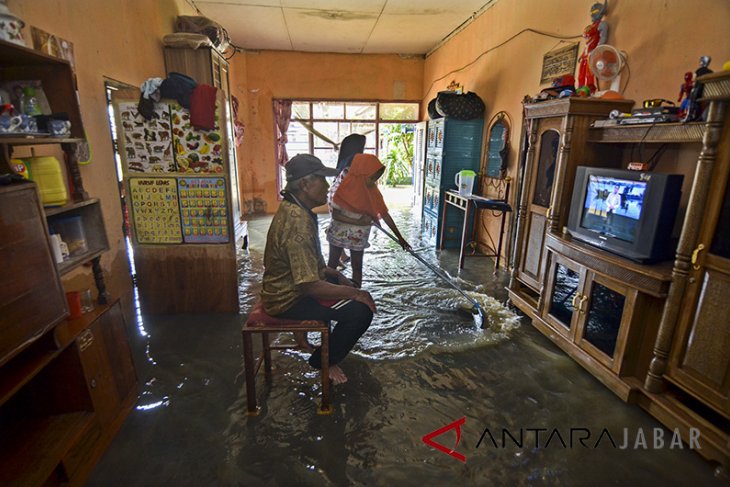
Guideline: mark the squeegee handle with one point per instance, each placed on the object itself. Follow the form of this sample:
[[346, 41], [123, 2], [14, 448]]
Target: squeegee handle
[[433, 268]]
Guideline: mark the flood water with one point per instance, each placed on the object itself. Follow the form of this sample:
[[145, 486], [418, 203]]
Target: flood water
[[421, 366]]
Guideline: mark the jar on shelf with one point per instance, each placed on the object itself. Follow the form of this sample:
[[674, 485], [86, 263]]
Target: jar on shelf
[[29, 102]]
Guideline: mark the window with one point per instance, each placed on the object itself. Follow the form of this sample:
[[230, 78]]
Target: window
[[317, 127]]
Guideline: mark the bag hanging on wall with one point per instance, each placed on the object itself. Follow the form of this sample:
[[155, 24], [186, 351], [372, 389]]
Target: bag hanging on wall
[[461, 107], [433, 114]]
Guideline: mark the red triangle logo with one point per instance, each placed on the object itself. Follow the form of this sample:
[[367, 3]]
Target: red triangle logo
[[428, 439]]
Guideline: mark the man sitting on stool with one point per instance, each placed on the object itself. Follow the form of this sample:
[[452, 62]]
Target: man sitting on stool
[[296, 278]]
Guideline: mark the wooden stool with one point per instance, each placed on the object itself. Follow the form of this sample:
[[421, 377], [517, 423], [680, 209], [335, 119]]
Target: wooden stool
[[259, 322]]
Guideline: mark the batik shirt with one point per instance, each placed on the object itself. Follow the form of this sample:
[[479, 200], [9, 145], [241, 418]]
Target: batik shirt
[[293, 256]]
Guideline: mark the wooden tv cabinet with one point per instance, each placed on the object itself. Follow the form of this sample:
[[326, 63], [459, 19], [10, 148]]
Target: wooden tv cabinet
[[658, 335]]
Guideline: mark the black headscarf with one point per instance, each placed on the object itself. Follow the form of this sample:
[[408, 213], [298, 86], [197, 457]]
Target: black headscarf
[[350, 146]]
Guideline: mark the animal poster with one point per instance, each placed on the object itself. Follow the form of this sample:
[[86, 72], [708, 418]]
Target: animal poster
[[155, 210], [147, 143], [203, 209], [196, 151]]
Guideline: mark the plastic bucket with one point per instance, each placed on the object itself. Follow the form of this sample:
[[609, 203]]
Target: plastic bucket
[[465, 182], [47, 174]]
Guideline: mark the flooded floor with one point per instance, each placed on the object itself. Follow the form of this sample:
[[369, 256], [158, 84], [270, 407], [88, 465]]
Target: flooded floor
[[422, 366]]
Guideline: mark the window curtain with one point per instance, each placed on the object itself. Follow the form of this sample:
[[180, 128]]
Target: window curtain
[[282, 116]]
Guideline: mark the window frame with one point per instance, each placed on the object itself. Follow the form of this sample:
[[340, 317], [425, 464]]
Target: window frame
[[377, 121]]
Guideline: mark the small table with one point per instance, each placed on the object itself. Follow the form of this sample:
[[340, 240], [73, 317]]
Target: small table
[[468, 204]]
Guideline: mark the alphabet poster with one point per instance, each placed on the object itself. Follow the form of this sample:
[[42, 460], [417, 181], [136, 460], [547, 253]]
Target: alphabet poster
[[203, 208], [155, 210]]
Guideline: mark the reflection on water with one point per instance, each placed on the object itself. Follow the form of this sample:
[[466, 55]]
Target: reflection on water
[[417, 310], [421, 366]]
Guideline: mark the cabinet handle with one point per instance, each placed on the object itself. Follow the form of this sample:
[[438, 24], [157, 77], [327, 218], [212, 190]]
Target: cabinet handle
[[549, 212], [583, 299], [93, 383], [575, 298], [86, 339], [695, 255]]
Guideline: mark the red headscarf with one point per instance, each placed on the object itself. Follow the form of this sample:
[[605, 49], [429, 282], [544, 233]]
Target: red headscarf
[[354, 194]]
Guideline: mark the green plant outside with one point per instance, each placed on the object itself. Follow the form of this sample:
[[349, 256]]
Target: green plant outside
[[398, 159]]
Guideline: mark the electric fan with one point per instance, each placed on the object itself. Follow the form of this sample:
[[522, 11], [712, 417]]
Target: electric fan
[[606, 63]]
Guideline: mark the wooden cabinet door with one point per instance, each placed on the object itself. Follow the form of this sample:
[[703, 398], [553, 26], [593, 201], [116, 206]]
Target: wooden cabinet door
[[565, 281], [604, 310], [31, 296], [107, 364], [536, 219], [700, 355]]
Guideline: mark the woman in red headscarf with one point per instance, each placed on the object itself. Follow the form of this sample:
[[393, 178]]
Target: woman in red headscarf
[[355, 204]]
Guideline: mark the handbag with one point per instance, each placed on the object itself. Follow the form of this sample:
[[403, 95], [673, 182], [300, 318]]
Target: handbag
[[467, 106], [433, 114]]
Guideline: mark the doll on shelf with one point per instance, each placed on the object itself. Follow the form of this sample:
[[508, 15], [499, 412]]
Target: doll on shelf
[[594, 34], [695, 109], [684, 91]]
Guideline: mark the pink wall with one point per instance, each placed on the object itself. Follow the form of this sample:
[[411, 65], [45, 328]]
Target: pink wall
[[496, 58], [260, 77], [118, 39], [121, 39]]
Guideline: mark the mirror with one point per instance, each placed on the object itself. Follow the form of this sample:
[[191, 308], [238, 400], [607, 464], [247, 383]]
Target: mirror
[[549, 142], [498, 146]]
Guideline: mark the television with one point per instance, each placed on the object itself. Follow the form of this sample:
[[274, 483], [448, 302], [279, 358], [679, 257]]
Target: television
[[629, 213]]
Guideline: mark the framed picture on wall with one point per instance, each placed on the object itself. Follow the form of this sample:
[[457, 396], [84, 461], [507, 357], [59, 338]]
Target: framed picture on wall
[[559, 62], [53, 45]]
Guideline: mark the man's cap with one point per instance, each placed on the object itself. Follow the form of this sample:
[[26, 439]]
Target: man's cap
[[302, 165]]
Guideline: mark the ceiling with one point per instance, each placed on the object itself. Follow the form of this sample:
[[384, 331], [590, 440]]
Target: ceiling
[[347, 26]]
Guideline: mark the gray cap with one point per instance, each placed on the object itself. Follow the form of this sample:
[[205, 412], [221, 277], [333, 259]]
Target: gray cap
[[302, 165]]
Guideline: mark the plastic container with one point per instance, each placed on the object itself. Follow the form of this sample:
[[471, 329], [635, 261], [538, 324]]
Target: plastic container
[[47, 174], [73, 298], [30, 102], [71, 230], [465, 182], [21, 167]]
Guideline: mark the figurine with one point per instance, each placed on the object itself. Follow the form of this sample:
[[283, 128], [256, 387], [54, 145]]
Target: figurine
[[694, 107], [594, 35], [684, 92]]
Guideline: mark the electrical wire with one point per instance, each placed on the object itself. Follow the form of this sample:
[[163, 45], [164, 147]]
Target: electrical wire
[[654, 159], [535, 31], [643, 138]]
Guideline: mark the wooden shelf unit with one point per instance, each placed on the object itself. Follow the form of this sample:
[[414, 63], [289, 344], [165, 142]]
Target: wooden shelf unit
[[674, 133], [65, 385], [670, 325], [45, 442], [92, 221]]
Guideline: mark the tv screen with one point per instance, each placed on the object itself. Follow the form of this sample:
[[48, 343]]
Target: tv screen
[[629, 213], [613, 206]]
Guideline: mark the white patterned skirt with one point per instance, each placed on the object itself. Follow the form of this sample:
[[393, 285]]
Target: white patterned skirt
[[348, 236]]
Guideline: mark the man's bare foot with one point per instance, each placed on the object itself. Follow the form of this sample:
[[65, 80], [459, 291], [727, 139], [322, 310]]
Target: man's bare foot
[[337, 375], [302, 342]]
